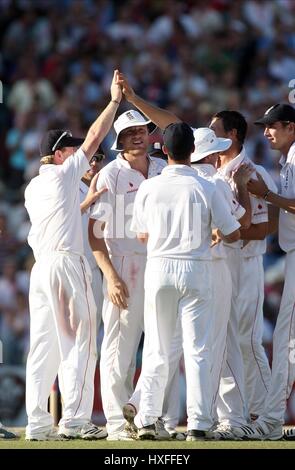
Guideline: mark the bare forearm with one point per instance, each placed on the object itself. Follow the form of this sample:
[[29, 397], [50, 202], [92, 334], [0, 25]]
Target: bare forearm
[[255, 232], [273, 219], [99, 129], [103, 261], [244, 200], [100, 250], [84, 206], [161, 117], [281, 202]]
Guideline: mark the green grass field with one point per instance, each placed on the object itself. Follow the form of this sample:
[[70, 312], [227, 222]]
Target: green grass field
[[176, 445]]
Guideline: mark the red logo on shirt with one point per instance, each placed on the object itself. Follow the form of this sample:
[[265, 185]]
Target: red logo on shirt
[[131, 185], [259, 206]]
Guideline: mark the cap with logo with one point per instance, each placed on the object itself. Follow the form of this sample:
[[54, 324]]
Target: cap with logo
[[278, 112], [178, 138], [57, 139], [206, 143], [128, 119]]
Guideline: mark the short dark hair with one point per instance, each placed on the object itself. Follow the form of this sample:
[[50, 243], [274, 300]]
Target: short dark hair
[[178, 138], [233, 120]]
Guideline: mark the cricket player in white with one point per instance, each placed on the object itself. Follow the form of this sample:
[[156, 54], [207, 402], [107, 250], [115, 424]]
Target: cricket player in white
[[124, 269], [204, 160], [88, 196], [173, 212], [279, 129], [245, 262], [62, 307]]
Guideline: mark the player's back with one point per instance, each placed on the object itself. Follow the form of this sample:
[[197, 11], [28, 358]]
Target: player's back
[[177, 208]]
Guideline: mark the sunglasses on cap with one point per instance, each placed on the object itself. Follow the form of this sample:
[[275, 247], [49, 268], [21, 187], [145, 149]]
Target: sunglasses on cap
[[97, 158], [64, 134]]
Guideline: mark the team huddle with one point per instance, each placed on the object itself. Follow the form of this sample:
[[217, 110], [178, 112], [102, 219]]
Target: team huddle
[[180, 248]]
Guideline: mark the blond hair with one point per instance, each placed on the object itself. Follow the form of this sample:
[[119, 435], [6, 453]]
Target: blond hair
[[47, 160]]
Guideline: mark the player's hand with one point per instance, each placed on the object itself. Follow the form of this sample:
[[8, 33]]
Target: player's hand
[[243, 174], [257, 187], [116, 92], [118, 292], [216, 237], [127, 89], [92, 194]]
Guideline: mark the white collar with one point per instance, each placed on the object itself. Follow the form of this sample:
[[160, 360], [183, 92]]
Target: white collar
[[123, 162], [205, 169], [227, 169], [48, 166], [290, 155], [179, 170]]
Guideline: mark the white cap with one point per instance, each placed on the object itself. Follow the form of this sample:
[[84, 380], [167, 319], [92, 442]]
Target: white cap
[[207, 143], [130, 118]]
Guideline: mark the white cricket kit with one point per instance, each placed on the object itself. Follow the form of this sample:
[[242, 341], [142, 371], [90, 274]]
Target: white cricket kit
[[62, 308], [222, 284], [96, 282], [246, 320], [122, 328], [283, 365], [176, 210]]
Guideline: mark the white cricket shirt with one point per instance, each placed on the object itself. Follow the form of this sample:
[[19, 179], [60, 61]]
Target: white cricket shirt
[[210, 173], [53, 203], [259, 206], [176, 209], [115, 207], [287, 220]]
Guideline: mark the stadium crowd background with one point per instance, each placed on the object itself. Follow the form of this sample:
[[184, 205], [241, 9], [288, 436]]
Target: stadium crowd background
[[193, 57]]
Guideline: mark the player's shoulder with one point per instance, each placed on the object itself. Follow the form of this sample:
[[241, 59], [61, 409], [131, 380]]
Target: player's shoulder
[[159, 163], [150, 182], [206, 183], [111, 167], [110, 172]]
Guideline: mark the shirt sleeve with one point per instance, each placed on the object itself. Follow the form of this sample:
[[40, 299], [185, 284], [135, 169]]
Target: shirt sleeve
[[233, 204], [75, 166], [138, 222], [259, 205], [222, 217]]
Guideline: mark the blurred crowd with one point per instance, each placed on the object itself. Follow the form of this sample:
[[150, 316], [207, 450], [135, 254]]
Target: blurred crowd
[[194, 57]]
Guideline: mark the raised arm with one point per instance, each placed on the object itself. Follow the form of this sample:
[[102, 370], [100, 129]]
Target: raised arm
[[160, 117], [103, 123]]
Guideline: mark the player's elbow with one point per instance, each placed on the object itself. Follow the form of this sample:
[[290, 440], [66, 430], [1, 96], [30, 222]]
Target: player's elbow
[[232, 237]]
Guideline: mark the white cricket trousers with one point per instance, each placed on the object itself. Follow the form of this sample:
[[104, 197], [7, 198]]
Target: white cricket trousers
[[96, 285], [63, 340], [177, 288], [222, 294], [249, 383], [171, 403], [283, 364], [122, 333]]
